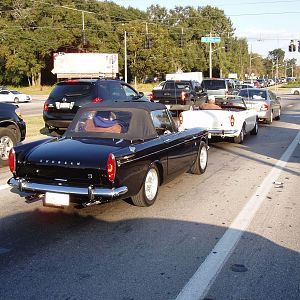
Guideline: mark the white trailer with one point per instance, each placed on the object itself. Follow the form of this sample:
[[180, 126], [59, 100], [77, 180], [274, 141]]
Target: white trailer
[[198, 76], [85, 65]]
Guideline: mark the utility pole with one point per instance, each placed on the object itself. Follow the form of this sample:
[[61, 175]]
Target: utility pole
[[125, 56], [210, 56]]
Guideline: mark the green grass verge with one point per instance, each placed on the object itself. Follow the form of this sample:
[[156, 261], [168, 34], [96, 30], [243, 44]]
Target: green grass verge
[[35, 127]]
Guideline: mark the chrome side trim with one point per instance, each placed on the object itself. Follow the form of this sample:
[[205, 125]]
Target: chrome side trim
[[90, 191]]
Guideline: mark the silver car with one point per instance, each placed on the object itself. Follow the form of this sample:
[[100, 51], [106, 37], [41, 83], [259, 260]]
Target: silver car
[[264, 101]]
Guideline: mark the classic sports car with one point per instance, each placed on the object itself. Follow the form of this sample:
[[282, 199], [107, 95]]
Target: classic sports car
[[111, 150], [234, 120]]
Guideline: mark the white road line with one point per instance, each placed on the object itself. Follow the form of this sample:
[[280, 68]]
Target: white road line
[[201, 281], [4, 186]]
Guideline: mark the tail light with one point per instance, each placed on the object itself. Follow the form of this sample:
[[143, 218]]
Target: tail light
[[183, 96], [232, 120], [264, 107], [152, 96], [12, 160], [97, 100], [111, 167], [46, 107], [180, 118]]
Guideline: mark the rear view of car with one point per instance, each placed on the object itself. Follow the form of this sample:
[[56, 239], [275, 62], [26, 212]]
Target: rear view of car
[[220, 88], [68, 96], [12, 130]]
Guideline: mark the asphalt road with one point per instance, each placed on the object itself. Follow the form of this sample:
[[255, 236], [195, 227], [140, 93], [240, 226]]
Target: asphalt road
[[231, 233]]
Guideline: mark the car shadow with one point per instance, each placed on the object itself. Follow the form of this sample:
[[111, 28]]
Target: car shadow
[[55, 254]]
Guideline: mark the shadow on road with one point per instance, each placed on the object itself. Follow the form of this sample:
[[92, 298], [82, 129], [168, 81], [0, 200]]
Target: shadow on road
[[54, 254]]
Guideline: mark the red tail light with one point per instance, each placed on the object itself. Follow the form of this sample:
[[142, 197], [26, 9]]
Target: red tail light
[[12, 160], [111, 167], [183, 96], [180, 118], [46, 107], [152, 96], [232, 120], [264, 107], [97, 100]]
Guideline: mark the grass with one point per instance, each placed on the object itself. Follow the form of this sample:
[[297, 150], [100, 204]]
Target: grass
[[35, 127]]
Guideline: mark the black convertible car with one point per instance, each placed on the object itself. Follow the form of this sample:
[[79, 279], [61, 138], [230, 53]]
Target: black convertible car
[[110, 151]]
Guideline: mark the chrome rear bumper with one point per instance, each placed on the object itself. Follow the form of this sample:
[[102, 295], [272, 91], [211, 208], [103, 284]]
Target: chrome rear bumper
[[91, 191]]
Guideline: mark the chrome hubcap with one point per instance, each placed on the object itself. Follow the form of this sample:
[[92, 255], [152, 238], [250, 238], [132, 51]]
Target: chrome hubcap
[[203, 157], [5, 145], [151, 184]]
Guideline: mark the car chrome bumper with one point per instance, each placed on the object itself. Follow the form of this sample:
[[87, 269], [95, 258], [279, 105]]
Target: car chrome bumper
[[223, 133], [91, 192]]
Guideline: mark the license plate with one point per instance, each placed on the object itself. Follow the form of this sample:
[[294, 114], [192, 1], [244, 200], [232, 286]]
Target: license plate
[[64, 105], [57, 199]]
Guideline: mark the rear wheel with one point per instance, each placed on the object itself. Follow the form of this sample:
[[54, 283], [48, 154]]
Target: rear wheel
[[240, 138], [16, 100], [7, 141], [296, 93], [149, 190], [270, 120], [278, 117], [200, 163], [254, 131]]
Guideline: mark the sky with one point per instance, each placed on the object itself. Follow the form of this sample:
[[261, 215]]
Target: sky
[[266, 24]]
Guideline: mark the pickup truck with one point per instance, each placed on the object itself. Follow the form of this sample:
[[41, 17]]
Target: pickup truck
[[179, 95]]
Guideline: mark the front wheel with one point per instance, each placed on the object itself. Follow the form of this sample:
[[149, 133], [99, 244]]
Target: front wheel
[[16, 100], [7, 141], [149, 190], [200, 163]]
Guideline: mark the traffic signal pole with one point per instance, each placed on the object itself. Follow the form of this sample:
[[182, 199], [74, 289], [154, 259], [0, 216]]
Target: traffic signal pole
[[210, 57]]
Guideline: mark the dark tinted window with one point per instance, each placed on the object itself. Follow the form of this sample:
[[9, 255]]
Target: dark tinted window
[[214, 84], [71, 89]]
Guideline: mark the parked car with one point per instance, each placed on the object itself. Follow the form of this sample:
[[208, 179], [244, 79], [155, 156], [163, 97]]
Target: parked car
[[13, 96], [159, 86], [295, 91], [68, 96], [111, 150], [264, 101], [12, 130], [234, 120]]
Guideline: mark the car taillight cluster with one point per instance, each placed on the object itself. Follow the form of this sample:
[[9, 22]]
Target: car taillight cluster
[[152, 97], [46, 106], [12, 160], [264, 107], [111, 167], [97, 100], [232, 120], [183, 96], [180, 118]]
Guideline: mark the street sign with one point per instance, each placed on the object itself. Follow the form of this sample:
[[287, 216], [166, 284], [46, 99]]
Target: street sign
[[210, 39]]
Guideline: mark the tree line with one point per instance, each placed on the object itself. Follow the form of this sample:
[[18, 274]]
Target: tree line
[[158, 40]]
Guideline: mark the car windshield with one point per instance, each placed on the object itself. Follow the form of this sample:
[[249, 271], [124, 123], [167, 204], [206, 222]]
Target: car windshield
[[214, 84], [253, 94]]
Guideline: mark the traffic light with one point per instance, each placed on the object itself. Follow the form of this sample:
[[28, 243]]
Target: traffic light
[[227, 48], [298, 46], [292, 46], [148, 42], [181, 41]]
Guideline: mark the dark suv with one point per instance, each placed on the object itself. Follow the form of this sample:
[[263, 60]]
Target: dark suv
[[12, 130], [68, 96]]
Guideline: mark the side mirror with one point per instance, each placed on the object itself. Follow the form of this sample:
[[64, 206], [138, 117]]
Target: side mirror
[[141, 94]]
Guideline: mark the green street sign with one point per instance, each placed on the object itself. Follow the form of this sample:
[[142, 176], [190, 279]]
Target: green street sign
[[210, 39]]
